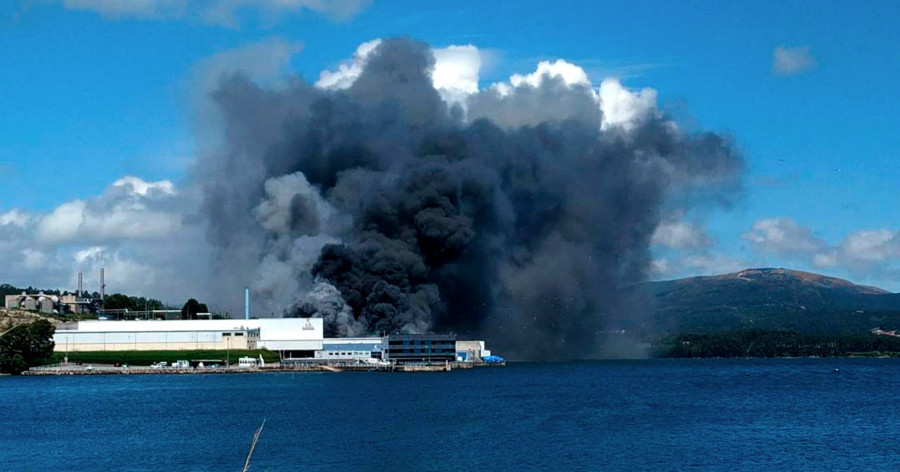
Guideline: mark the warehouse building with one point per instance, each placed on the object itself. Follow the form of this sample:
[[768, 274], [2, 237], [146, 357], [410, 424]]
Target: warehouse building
[[292, 337]]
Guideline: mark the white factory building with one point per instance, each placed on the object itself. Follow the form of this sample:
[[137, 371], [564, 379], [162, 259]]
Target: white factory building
[[293, 337], [298, 339]]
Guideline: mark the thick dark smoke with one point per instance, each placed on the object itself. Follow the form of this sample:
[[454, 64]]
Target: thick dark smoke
[[514, 218]]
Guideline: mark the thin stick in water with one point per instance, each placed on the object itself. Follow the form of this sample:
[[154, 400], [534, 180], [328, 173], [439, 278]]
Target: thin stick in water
[[253, 445]]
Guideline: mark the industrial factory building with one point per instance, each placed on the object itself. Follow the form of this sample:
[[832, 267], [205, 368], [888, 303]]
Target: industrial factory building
[[49, 304], [295, 339], [74, 303]]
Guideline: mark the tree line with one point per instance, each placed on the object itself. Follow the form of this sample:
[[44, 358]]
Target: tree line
[[775, 343]]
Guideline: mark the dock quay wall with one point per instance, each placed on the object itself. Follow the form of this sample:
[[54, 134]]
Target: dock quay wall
[[70, 369]]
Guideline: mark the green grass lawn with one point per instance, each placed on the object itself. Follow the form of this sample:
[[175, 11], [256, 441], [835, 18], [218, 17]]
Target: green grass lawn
[[150, 357]]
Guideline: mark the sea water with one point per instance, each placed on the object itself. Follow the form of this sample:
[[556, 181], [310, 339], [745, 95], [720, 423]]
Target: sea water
[[710, 415]]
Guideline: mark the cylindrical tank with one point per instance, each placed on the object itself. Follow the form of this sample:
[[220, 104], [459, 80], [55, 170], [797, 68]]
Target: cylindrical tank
[[46, 305], [29, 303]]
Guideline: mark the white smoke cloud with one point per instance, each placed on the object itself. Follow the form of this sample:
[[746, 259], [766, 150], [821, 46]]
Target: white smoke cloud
[[265, 62], [300, 221], [288, 195], [325, 301]]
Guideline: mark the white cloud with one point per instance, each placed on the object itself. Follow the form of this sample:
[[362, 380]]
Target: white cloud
[[694, 264], [826, 259], [623, 107], [620, 107], [456, 70], [570, 74], [791, 61], [141, 187], [456, 76], [783, 236], [872, 246], [33, 259], [680, 235], [864, 253], [15, 217], [348, 71], [130, 209], [225, 12], [137, 230], [62, 224], [123, 273], [118, 9], [216, 12]]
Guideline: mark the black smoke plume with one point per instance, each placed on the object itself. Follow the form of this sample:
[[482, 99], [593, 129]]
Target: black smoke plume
[[513, 218]]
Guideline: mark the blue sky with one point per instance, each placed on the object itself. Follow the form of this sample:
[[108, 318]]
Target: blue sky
[[90, 94]]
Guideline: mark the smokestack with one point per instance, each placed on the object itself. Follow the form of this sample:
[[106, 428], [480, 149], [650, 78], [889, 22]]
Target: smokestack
[[102, 284], [246, 303], [79, 284]]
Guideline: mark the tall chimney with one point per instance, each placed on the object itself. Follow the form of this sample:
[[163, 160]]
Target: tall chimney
[[102, 284], [246, 303], [80, 287]]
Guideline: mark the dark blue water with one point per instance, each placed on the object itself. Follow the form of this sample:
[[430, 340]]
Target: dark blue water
[[741, 415]]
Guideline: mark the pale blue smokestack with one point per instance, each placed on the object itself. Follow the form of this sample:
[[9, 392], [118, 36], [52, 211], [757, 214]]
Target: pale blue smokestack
[[246, 303]]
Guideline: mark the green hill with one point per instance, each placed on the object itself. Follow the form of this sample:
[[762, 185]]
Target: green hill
[[767, 299]]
